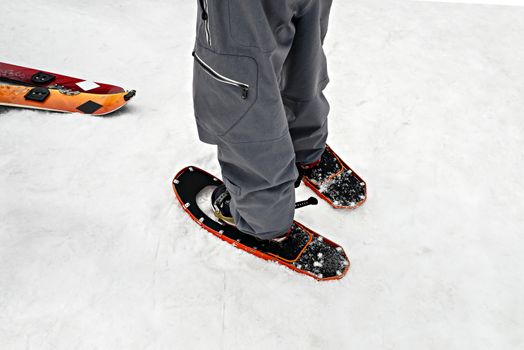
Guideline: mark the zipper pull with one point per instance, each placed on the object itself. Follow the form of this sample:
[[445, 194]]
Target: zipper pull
[[204, 13], [245, 92]]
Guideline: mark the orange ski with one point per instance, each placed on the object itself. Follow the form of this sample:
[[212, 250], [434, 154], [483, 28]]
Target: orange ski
[[62, 100]]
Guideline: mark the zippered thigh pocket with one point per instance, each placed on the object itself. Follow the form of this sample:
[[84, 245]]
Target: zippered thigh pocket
[[224, 89], [221, 78]]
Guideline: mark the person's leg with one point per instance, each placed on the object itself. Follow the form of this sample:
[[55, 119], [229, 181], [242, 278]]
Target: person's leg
[[304, 76], [239, 53]]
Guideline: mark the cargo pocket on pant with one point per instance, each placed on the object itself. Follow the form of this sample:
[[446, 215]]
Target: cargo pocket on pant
[[224, 89]]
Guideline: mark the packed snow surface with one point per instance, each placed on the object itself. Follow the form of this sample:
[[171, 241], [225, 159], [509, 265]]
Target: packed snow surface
[[427, 106]]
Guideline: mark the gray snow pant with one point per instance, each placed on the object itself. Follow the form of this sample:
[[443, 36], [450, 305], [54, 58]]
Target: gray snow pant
[[259, 72]]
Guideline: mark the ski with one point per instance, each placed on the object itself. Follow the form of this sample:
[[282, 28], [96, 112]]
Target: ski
[[34, 77], [335, 182], [304, 251], [62, 100]]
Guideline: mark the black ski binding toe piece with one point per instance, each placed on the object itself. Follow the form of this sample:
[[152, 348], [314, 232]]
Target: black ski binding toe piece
[[42, 78], [38, 94]]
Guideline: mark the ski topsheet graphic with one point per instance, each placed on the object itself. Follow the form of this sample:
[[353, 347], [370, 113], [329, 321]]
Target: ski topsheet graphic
[[62, 100], [34, 77], [304, 251]]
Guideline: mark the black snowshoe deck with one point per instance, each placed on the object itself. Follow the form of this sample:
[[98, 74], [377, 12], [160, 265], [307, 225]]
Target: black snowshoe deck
[[304, 251], [335, 182]]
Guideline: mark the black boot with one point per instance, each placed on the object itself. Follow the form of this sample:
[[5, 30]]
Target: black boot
[[220, 200]]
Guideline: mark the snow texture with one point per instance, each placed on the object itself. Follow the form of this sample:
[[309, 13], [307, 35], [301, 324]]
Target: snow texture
[[427, 106]]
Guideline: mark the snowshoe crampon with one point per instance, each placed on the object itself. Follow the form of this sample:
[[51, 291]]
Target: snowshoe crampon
[[304, 251]]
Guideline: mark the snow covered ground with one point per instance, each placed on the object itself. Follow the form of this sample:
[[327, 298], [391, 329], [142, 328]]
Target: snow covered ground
[[427, 104]]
